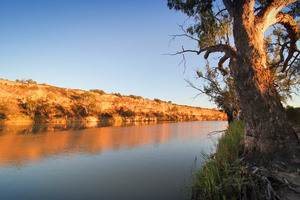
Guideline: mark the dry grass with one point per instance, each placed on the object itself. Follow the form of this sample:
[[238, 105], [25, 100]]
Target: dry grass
[[66, 103]]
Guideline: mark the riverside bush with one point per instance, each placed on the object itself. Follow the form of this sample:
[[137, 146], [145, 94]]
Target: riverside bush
[[221, 175], [125, 113]]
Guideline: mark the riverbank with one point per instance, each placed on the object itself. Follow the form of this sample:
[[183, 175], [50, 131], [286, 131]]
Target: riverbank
[[224, 175], [29, 102]]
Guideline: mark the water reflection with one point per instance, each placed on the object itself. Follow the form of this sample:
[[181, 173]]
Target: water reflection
[[23, 128], [20, 144], [133, 162]]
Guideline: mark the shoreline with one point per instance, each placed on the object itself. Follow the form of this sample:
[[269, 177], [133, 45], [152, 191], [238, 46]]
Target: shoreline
[[224, 174]]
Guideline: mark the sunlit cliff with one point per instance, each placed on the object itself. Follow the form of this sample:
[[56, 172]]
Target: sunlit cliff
[[21, 101]]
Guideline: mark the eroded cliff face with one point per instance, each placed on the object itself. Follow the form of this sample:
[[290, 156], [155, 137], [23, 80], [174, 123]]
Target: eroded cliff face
[[44, 103]]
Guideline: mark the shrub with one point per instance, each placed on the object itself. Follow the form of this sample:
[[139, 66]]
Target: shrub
[[60, 111], [26, 81], [158, 114], [125, 113], [29, 105], [35, 107], [101, 92], [3, 112], [105, 116], [87, 101], [43, 108], [78, 110], [135, 97], [158, 100]]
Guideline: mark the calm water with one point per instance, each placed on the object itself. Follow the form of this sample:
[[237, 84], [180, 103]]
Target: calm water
[[109, 163]]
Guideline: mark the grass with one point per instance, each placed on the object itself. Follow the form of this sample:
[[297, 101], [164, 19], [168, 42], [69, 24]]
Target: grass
[[221, 176]]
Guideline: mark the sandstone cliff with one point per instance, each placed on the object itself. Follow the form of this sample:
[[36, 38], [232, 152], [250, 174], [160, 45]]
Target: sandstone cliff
[[33, 102]]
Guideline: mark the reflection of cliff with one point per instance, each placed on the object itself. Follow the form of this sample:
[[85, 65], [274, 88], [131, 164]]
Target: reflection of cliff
[[45, 103], [19, 147]]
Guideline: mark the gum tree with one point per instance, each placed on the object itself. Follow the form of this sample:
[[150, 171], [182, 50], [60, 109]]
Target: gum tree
[[220, 90], [267, 132]]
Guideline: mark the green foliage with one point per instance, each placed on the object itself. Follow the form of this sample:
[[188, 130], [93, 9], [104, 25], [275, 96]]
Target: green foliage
[[43, 108], [30, 106], [219, 88], [60, 111], [26, 81], [101, 92], [287, 82], [86, 102], [191, 7], [221, 175], [106, 116], [158, 100], [211, 26], [79, 110], [3, 111], [125, 113], [35, 107], [158, 114], [135, 97]]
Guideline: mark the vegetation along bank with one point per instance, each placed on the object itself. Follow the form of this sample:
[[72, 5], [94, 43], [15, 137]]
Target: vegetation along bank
[[226, 175], [27, 101]]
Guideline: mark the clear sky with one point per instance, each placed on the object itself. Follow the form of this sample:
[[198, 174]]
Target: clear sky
[[117, 46]]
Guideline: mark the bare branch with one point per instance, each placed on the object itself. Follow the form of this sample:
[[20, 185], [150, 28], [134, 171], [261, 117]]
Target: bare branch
[[228, 50], [283, 47], [195, 87], [220, 11], [220, 65], [295, 58], [182, 52], [186, 34], [293, 30]]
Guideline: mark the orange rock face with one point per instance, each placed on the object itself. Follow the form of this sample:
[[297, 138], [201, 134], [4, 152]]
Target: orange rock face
[[45, 103]]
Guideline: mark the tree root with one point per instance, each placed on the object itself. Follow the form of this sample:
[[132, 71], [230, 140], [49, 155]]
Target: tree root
[[215, 132], [265, 185]]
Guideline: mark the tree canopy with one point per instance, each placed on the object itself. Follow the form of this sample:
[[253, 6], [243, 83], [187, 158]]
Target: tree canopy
[[263, 68]]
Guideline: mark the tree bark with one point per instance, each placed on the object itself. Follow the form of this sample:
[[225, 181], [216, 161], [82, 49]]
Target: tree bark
[[268, 133], [229, 115]]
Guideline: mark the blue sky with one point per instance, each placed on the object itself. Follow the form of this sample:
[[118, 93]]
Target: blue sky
[[117, 46]]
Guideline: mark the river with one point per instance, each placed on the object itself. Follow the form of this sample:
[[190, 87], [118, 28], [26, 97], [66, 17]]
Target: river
[[109, 163]]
